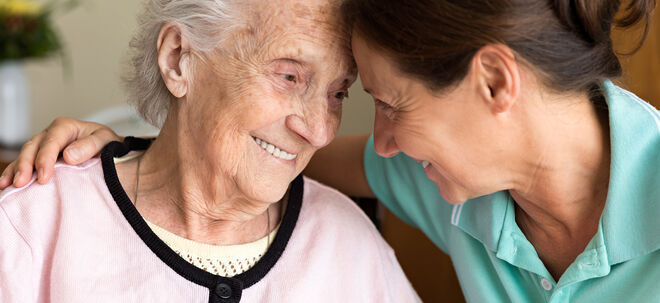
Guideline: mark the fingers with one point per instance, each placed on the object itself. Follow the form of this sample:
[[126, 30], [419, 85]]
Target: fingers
[[60, 133], [85, 148], [89, 138], [24, 165], [7, 176], [42, 150]]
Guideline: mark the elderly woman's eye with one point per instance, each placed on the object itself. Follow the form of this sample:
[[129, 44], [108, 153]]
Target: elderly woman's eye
[[341, 95], [289, 77]]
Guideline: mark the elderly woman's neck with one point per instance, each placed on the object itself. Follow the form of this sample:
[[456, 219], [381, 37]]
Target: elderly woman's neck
[[179, 191]]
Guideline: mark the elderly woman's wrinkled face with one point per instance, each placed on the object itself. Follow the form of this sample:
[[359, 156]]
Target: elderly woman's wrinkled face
[[272, 97]]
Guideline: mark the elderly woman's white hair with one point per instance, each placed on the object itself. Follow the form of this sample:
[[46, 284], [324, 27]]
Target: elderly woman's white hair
[[205, 23]]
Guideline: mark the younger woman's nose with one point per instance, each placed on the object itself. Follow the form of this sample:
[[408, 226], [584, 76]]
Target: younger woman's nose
[[384, 142]]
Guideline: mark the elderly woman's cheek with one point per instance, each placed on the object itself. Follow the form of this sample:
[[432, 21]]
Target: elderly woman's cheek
[[280, 86], [334, 121]]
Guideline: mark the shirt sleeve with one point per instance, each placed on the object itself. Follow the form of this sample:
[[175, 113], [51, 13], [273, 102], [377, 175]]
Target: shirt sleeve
[[15, 264], [402, 186]]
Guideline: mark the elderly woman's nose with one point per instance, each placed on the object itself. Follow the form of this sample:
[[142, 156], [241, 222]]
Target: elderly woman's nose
[[384, 143], [313, 128]]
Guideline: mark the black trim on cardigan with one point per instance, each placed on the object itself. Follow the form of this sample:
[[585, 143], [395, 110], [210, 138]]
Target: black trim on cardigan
[[216, 284]]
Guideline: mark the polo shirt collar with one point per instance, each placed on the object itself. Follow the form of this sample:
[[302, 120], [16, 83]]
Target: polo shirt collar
[[630, 222], [629, 225], [483, 218]]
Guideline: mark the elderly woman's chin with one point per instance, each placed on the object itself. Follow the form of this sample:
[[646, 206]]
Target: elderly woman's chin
[[266, 188], [268, 179]]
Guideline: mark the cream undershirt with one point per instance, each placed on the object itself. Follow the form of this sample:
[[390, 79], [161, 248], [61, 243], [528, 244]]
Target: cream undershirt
[[226, 261], [223, 260]]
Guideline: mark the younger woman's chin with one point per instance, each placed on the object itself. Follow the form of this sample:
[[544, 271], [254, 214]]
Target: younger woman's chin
[[452, 196], [454, 200]]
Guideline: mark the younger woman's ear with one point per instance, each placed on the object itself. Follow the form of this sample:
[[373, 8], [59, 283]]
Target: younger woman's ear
[[497, 77], [173, 59]]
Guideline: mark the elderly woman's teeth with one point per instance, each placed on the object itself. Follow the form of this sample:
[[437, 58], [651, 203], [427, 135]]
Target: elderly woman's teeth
[[425, 164], [271, 149]]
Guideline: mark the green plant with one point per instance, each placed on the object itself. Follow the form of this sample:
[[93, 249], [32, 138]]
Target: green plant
[[26, 29]]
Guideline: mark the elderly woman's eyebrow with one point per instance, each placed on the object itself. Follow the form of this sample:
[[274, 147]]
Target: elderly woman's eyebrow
[[346, 81], [300, 65], [296, 61]]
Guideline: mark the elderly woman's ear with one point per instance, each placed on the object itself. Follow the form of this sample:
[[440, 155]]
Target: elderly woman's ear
[[173, 59]]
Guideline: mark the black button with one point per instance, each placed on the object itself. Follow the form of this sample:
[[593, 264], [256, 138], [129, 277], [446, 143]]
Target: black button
[[223, 291]]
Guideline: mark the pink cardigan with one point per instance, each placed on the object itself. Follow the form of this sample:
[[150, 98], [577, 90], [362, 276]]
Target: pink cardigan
[[79, 239]]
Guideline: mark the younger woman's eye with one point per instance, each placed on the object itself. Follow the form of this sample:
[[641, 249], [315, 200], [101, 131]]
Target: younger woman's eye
[[387, 109], [382, 104]]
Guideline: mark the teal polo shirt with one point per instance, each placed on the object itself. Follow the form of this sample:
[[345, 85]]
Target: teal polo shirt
[[493, 259]]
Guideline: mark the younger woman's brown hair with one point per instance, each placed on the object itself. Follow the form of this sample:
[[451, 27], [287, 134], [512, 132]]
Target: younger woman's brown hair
[[568, 41]]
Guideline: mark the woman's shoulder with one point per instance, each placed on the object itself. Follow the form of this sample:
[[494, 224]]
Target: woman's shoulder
[[64, 214], [333, 219], [329, 211], [316, 188], [321, 198], [334, 238], [38, 198]]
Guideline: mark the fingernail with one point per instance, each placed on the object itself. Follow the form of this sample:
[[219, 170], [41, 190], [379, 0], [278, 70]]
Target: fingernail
[[18, 174], [41, 174], [73, 153]]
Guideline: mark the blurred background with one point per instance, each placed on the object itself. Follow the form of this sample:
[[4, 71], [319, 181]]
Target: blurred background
[[95, 36]]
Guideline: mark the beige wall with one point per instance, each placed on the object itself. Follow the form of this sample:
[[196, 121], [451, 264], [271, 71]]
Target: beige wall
[[358, 116], [96, 35]]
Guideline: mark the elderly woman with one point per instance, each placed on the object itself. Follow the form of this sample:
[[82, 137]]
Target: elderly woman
[[215, 209]]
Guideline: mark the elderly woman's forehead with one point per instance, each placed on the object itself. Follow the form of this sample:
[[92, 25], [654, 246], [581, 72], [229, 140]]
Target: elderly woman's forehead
[[310, 30], [315, 15], [301, 8]]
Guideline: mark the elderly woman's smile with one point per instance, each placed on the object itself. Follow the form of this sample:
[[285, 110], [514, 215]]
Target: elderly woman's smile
[[274, 150]]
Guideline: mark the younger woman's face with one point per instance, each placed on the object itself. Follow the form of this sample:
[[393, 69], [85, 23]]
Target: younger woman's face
[[453, 130]]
